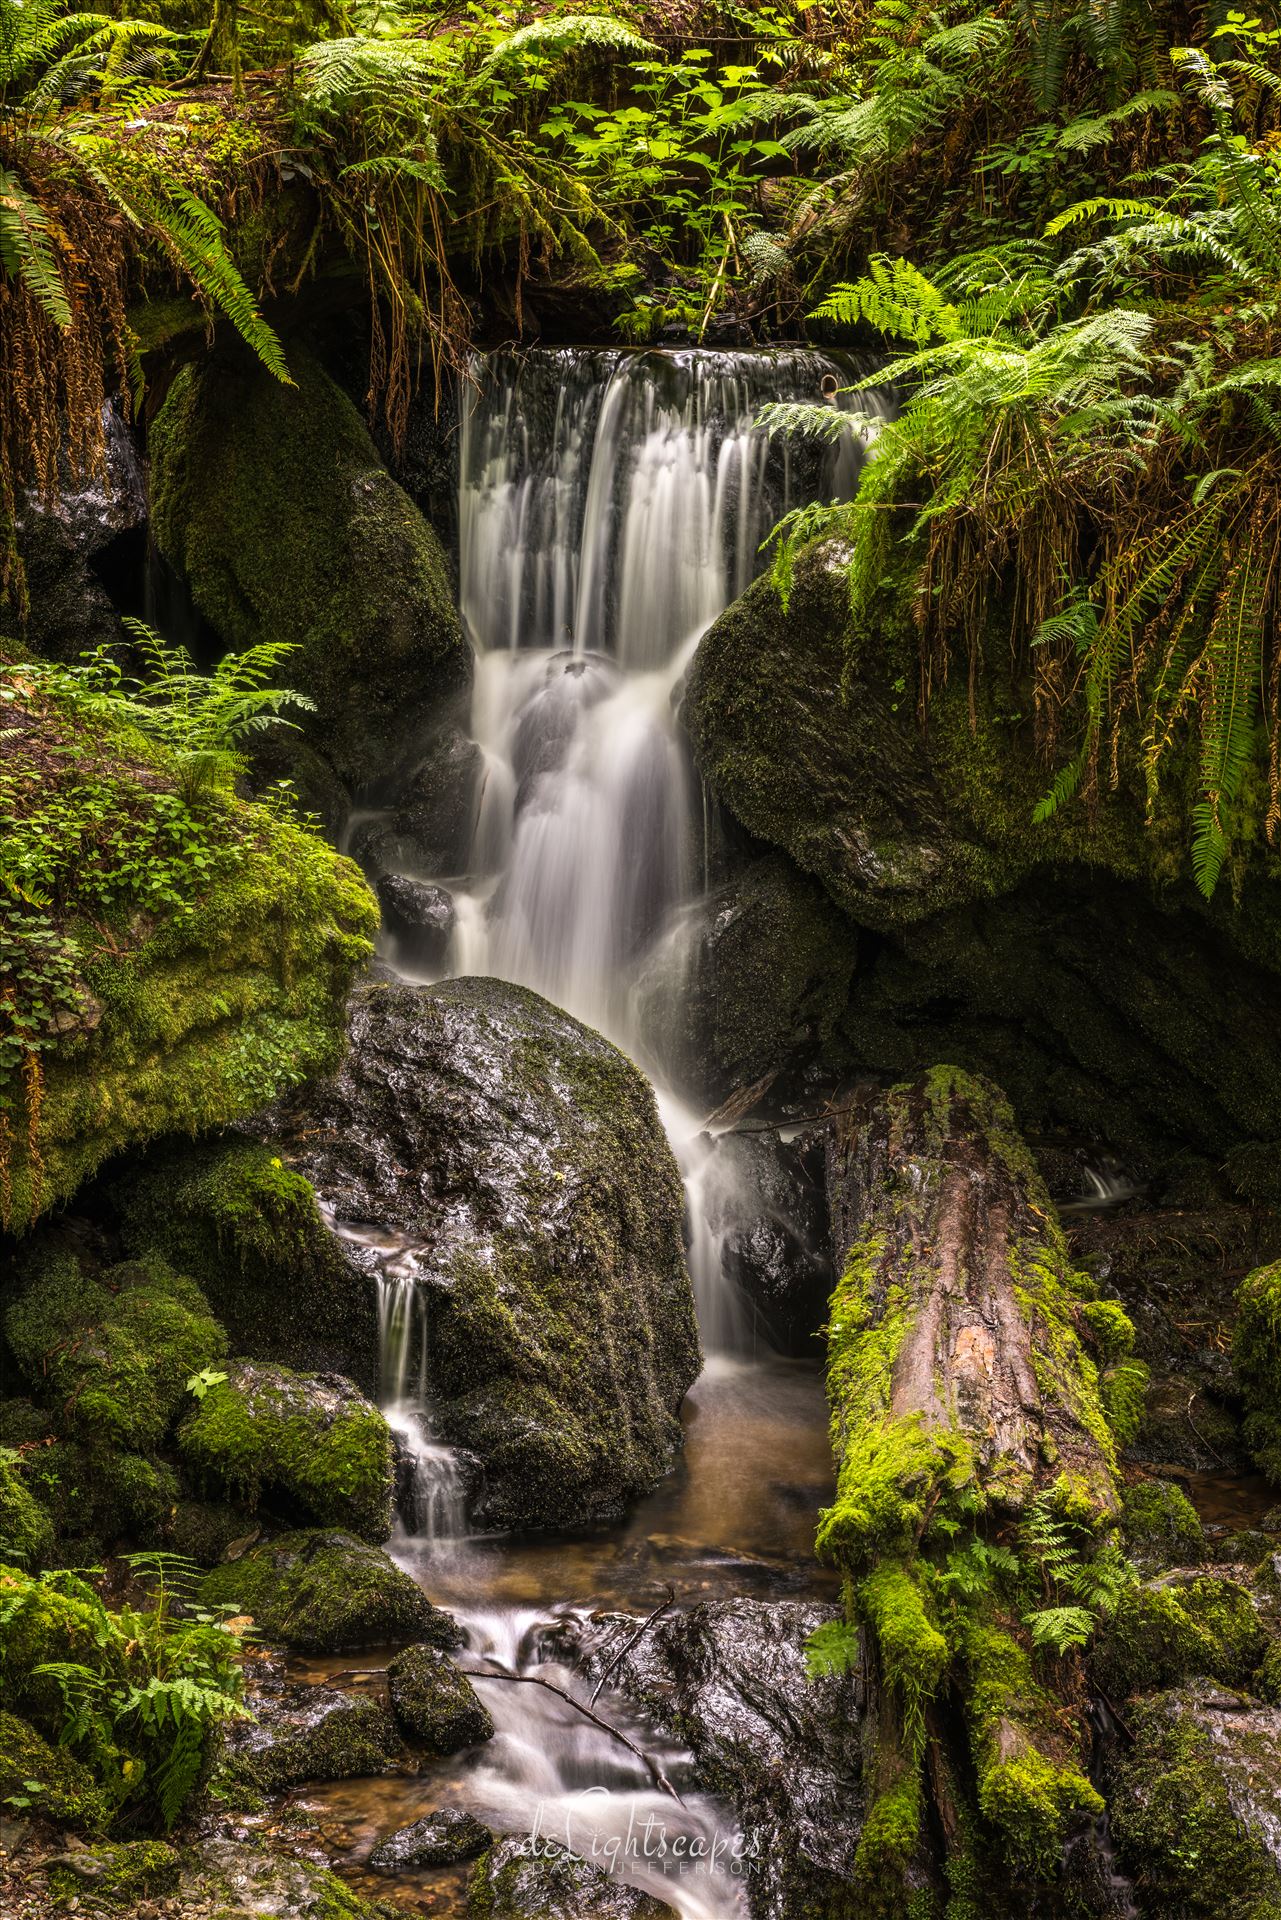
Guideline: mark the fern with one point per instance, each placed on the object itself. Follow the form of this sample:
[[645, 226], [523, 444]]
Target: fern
[[833, 1648]]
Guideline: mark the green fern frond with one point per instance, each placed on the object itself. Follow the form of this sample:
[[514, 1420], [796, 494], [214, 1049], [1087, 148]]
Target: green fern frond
[[27, 251]]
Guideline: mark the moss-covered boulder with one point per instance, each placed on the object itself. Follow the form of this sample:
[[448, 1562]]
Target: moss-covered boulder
[[327, 1592], [1073, 961], [1256, 1352], [435, 1702], [1161, 1525], [1196, 1807], [300, 1732], [26, 1531], [522, 1157], [272, 503], [233, 1878], [191, 960], [310, 1443], [1163, 1633], [46, 1779], [514, 1881], [111, 1348], [230, 1213], [123, 1875], [759, 977]]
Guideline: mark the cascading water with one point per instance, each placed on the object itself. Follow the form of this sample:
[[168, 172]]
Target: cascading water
[[611, 505]]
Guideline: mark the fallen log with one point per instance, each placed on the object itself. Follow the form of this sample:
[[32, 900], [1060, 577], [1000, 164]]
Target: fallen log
[[977, 1389]]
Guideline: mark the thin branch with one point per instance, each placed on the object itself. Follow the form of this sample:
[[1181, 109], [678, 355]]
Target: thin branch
[[651, 1765], [623, 1652]]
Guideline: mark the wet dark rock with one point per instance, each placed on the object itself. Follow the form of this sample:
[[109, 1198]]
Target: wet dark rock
[[419, 917], [71, 610], [435, 1701], [327, 1592], [443, 1839], [766, 1200], [729, 1679], [301, 1732], [436, 808], [1196, 1805], [520, 1157], [236, 1878], [514, 1883], [759, 978]]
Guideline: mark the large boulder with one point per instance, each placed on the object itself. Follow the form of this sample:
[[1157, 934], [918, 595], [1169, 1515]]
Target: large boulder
[[1074, 961], [273, 504], [730, 1679], [326, 1592], [520, 1160], [309, 1442]]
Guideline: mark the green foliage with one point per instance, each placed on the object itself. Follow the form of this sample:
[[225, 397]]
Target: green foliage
[[137, 1695]]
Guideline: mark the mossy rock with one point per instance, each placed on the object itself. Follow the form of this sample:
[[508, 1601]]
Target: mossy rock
[[112, 1348], [46, 1779], [1195, 1806], [525, 1155], [514, 1882], [301, 1733], [235, 1879], [201, 957], [311, 1443], [203, 1530], [42, 1623], [1256, 1353], [95, 1493], [435, 1702], [124, 1874], [272, 503], [1163, 1633], [1074, 961], [248, 1228], [327, 1592], [1161, 1525], [26, 1531]]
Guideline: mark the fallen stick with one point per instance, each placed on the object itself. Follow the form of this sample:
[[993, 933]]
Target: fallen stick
[[623, 1652], [651, 1765]]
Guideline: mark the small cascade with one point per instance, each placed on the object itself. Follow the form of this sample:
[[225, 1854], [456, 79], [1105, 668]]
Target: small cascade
[[431, 1493]]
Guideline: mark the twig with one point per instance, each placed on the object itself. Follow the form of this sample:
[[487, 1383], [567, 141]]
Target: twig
[[651, 1765], [1196, 1430], [623, 1652]]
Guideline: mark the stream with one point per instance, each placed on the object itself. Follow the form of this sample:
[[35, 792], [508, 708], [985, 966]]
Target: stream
[[611, 504]]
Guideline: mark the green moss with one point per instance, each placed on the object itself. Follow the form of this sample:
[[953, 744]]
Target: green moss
[[1161, 1634], [123, 1874], [435, 1701], [314, 1442], [113, 1349], [26, 1532], [889, 1842], [1176, 1826], [325, 1592], [37, 1777], [1161, 1525], [1256, 1352], [1030, 1785], [248, 1228], [274, 505]]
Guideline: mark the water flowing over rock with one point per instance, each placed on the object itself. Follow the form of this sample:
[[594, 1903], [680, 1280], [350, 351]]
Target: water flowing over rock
[[785, 1750], [519, 1160]]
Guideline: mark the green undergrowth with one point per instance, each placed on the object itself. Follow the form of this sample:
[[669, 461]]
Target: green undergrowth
[[167, 962]]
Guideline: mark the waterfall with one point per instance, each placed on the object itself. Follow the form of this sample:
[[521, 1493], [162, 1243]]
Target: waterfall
[[611, 505]]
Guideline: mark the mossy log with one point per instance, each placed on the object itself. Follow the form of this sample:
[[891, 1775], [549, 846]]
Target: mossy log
[[977, 1389]]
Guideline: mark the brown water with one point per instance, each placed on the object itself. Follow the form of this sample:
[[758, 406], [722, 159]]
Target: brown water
[[735, 1516]]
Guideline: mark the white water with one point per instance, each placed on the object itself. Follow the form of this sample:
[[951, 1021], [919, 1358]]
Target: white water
[[611, 505]]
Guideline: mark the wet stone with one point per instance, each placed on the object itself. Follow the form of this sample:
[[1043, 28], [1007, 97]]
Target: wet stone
[[442, 1839], [419, 917], [435, 1702], [515, 1882], [301, 1732]]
